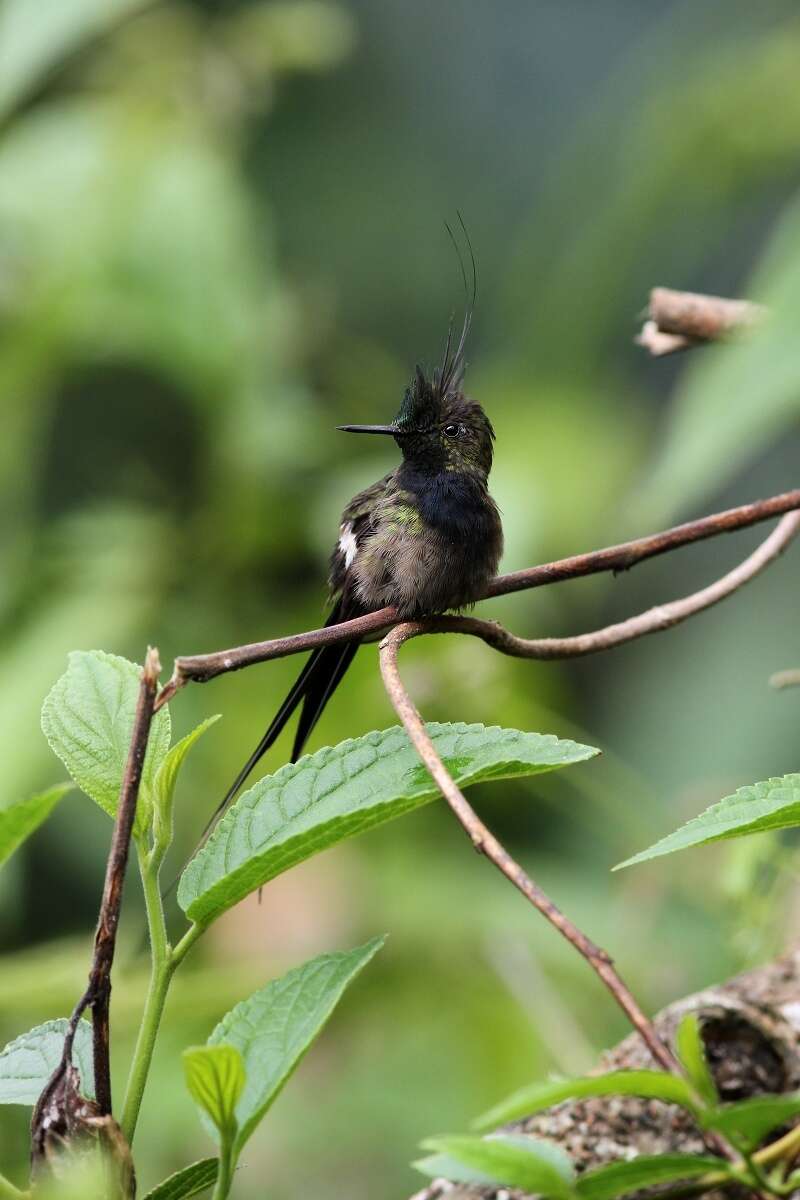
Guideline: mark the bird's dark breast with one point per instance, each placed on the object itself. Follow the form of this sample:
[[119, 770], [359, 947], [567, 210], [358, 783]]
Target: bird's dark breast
[[461, 540]]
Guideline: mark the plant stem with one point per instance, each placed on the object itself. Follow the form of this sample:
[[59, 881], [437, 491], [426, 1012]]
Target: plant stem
[[686, 1191], [185, 944], [786, 1147], [161, 972], [225, 1173]]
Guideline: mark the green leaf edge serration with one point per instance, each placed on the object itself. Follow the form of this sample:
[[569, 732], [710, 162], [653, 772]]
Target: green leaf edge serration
[[224, 871]]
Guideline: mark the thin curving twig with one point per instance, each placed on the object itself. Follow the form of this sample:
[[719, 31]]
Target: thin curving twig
[[486, 843]]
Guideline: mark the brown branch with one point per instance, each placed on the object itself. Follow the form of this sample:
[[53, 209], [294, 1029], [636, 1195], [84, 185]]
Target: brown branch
[[98, 990], [202, 667], [486, 843], [106, 936], [681, 320], [663, 616], [199, 668]]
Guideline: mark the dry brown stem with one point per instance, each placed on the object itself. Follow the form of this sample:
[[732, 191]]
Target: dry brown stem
[[58, 1104], [663, 616], [486, 843], [681, 320]]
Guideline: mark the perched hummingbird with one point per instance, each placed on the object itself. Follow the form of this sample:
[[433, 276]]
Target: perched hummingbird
[[426, 538]]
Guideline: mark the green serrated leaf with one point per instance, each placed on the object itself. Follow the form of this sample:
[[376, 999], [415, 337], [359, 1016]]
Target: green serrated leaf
[[620, 1178], [275, 1027], [344, 790], [167, 777], [747, 1122], [654, 1085], [215, 1076], [511, 1160], [692, 1054], [21, 818], [87, 718], [27, 1063], [189, 1182], [772, 804]]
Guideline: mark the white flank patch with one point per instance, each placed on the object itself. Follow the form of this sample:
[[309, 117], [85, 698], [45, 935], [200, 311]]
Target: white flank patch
[[347, 544]]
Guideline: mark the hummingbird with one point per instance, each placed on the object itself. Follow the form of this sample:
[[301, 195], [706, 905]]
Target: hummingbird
[[426, 538]]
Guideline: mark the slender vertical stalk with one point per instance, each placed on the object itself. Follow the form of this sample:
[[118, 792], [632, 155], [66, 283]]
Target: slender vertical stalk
[[161, 972], [59, 1092], [165, 960], [106, 935], [225, 1173]]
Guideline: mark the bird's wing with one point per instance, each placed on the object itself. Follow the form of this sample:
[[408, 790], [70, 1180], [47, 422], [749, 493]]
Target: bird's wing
[[356, 528], [328, 664]]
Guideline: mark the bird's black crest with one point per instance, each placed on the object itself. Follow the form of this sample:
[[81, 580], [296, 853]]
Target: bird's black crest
[[424, 399]]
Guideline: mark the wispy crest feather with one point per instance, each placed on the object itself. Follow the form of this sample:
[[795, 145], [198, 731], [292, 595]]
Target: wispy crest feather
[[423, 399]]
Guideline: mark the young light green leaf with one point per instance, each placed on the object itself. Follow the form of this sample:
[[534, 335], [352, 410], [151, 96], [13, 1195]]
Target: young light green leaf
[[654, 1085], [444, 1166], [20, 818], [620, 1178], [189, 1182], [511, 1160], [167, 777], [215, 1076], [87, 718], [275, 1027], [747, 1122], [692, 1054], [344, 790], [27, 1063], [772, 804]]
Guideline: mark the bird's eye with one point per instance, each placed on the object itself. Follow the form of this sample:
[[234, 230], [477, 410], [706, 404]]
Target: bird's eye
[[451, 431]]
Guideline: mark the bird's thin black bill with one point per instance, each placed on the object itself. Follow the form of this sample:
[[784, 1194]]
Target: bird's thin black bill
[[390, 429]]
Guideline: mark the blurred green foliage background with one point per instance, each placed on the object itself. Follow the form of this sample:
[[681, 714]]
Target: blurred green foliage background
[[221, 235]]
